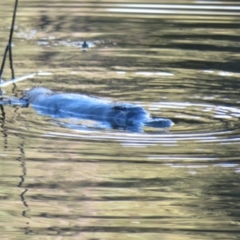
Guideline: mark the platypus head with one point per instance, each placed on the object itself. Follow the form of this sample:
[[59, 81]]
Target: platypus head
[[33, 93], [127, 116]]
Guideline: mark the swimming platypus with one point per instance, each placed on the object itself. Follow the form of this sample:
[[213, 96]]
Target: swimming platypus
[[67, 105]]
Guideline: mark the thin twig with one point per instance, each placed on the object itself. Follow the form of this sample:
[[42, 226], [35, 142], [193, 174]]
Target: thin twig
[[10, 40], [31, 75], [4, 84]]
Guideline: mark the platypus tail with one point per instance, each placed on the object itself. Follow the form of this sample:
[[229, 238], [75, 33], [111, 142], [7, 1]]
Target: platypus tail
[[159, 123]]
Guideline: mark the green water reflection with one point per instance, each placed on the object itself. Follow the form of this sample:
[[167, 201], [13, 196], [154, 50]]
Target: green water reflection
[[57, 182]]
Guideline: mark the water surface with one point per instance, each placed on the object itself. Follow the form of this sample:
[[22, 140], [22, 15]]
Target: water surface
[[180, 60]]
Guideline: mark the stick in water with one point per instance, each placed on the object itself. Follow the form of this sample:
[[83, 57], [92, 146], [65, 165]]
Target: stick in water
[[4, 84], [9, 46]]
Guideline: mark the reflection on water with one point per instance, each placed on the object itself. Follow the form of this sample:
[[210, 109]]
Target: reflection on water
[[177, 9], [179, 61]]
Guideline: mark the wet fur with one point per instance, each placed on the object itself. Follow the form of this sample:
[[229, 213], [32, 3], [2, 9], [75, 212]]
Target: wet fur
[[66, 105]]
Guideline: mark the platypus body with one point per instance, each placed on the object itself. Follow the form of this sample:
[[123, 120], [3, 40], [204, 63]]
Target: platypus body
[[71, 105]]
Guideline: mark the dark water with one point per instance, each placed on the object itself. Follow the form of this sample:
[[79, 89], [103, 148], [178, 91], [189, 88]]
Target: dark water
[[179, 61]]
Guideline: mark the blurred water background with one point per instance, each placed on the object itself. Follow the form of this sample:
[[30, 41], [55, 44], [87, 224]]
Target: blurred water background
[[178, 59]]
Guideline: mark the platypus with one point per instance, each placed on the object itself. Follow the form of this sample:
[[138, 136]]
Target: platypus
[[118, 115]]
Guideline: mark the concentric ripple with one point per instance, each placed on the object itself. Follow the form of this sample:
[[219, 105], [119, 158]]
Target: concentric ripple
[[206, 123]]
